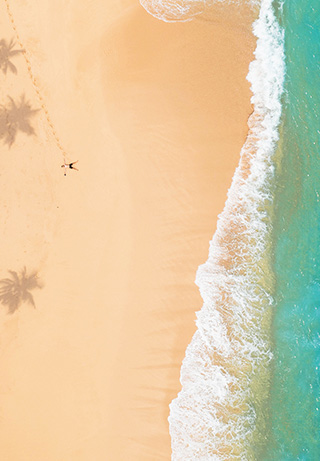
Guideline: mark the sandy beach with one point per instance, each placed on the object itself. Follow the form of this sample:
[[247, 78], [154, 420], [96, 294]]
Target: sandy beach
[[156, 115]]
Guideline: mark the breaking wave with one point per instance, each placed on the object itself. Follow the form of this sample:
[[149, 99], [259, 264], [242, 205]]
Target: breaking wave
[[220, 412]]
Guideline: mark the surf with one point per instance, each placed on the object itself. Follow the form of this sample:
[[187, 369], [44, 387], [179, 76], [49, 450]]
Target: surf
[[220, 413]]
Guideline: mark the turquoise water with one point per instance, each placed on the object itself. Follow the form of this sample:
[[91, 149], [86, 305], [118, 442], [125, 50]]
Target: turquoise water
[[295, 390]]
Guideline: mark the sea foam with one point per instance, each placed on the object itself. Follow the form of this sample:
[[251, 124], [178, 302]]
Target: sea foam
[[220, 412], [182, 10]]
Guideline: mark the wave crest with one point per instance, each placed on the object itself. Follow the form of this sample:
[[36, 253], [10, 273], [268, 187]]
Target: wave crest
[[224, 376]]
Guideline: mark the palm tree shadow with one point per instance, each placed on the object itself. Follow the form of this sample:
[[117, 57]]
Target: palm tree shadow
[[6, 53], [15, 290], [14, 117]]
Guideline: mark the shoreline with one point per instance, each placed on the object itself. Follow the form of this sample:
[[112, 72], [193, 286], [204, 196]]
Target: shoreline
[[157, 130]]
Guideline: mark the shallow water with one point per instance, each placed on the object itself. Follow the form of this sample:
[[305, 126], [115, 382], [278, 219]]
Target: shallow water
[[295, 397]]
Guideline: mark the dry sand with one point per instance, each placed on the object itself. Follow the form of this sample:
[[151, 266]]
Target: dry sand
[[156, 115]]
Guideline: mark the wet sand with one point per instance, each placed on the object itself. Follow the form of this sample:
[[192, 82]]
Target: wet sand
[[156, 115]]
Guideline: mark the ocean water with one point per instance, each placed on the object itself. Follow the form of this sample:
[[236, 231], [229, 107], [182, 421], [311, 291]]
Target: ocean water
[[250, 376], [295, 385]]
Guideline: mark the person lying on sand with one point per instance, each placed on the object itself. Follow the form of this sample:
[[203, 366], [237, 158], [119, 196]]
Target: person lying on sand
[[69, 165]]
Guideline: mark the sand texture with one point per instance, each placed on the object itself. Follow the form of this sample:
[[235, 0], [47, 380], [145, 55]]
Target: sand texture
[[156, 115]]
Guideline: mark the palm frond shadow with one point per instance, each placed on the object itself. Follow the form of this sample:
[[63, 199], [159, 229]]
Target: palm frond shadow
[[6, 54], [14, 117], [15, 290]]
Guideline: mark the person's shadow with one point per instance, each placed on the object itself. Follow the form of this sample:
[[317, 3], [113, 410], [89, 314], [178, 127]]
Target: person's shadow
[[6, 54], [15, 290], [14, 117]]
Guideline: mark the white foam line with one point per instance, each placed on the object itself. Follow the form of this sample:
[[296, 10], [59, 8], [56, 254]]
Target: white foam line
[[208, 415]]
